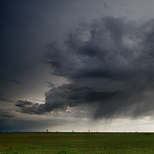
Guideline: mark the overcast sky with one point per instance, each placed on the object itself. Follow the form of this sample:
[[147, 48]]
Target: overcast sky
[[76, 65]]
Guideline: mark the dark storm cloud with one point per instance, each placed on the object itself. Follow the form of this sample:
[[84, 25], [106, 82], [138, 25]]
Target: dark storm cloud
[[29, 107], [109, 65], [21, 103]]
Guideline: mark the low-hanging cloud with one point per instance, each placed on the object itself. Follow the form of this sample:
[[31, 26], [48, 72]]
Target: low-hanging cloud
[[109, 67]]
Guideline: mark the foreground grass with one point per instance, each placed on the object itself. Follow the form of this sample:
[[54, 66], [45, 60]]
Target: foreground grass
[[76, 143]]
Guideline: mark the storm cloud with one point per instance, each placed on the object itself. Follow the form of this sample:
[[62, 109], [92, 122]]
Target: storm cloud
[[109, 67]]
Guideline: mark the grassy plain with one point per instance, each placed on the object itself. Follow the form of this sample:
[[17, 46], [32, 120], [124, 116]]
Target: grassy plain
[[76, 143]]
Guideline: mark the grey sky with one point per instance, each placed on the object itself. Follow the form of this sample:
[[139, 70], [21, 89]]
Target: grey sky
[[71, 59]]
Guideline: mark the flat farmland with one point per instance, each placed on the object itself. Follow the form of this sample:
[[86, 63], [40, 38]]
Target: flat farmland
[[76, 143]]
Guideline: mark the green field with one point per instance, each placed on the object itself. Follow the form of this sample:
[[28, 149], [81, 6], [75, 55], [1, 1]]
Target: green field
[[76, 143]]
